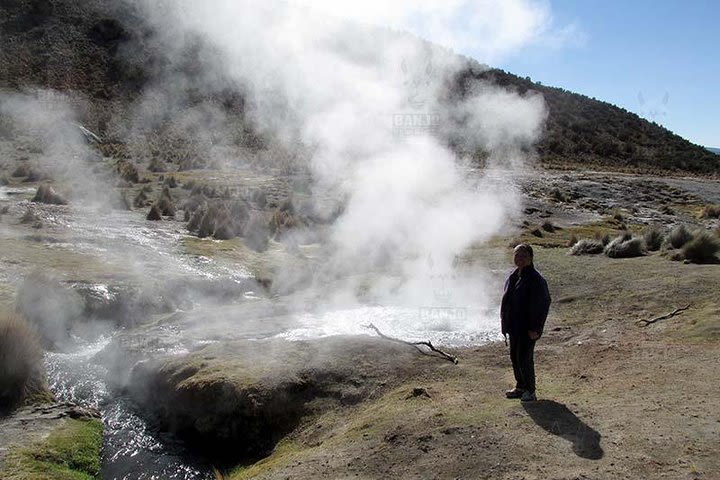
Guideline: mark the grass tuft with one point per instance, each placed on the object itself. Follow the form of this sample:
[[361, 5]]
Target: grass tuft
[[679, 236], [587, 247], [703, 248], [654, 238], [21, 367], [625, 246]]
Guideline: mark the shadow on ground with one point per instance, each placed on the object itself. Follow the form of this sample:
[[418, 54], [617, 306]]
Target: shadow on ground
[[557, 419]]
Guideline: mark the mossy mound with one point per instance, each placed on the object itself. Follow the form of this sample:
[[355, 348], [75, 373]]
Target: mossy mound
[[237, 399]]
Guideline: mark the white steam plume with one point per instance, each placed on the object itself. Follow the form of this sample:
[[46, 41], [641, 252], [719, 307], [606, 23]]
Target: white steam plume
[[366, 101]]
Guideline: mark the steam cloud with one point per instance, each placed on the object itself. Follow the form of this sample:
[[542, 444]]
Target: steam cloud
[[343, 89], [367, 108]]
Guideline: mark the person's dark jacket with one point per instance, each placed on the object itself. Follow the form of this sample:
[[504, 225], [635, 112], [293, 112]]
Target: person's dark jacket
[[525, 302]]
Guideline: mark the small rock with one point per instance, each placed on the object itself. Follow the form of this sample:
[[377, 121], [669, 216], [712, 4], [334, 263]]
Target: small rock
[[418, 392]]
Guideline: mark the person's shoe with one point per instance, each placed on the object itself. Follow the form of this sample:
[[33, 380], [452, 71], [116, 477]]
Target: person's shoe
[[528, 396], [515, 393]]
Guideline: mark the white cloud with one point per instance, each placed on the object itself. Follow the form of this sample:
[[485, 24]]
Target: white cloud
[[487, 29]]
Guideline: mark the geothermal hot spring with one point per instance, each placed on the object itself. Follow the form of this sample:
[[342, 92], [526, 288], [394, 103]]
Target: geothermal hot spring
[[133, 447], [410, 205]]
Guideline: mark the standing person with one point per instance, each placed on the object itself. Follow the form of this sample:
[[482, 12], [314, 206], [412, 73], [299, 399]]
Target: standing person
[[524, 308]]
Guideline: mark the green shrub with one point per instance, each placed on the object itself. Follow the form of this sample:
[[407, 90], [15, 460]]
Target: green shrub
[[624, 247], [679, 236], [703, 248], [587, 247]]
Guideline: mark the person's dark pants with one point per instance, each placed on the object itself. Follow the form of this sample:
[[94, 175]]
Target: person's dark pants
[[522, 350]]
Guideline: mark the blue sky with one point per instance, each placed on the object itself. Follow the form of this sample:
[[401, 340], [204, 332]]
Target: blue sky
[[658, 59]]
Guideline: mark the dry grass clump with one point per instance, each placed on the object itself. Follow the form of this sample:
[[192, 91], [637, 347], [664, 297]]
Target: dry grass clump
[[46, 194], [587, 247], [654, 238], [558, 195], [221, 219], [128, 171], [31, 218], [141, 199], [154, 214], [549, 227], [625, 246], [165, 203], [22, 170], [156, 166], [679, 236], [283, 218], [170, 182], [702, 248], [710, 211], [21, 364]]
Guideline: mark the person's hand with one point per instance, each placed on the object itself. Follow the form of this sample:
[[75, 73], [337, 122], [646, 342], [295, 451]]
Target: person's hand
[[533, 335]]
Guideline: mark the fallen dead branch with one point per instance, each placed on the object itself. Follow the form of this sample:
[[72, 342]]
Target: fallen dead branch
[[645, 323], [428, 344]]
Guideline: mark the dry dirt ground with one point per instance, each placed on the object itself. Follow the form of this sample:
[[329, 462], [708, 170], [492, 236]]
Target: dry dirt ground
[[616, 400]]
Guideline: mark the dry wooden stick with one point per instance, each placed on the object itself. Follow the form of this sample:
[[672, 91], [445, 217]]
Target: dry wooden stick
[[428, 344], [645, 323]]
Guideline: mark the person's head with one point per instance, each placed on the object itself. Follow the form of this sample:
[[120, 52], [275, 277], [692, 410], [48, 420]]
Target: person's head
[[523, 255]]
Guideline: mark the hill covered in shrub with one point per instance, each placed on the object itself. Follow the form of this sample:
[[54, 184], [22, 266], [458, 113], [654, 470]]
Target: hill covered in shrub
[[108, 53]]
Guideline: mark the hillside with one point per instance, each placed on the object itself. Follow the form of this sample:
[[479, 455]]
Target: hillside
[[585, 132], [108, 54], [714, 150]]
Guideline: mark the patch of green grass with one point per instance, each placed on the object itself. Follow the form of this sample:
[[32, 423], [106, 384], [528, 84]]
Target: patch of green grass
[[71, 452]]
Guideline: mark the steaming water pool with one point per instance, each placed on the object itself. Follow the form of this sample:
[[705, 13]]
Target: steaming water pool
[[449, 326]]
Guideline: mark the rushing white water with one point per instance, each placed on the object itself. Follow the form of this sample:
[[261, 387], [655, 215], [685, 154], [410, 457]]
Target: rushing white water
[[132, 449]]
